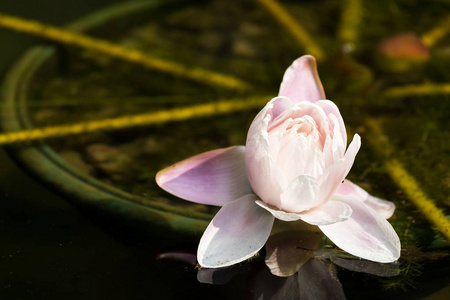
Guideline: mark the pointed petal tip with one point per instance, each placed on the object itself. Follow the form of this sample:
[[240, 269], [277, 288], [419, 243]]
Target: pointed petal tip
[[307, 61], [301, 81], [354, 145], [163, 178], [160, 177], [215, 177]]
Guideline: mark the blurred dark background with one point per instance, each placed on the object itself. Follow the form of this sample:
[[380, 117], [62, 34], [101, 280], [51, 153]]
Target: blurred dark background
[[49, 249]]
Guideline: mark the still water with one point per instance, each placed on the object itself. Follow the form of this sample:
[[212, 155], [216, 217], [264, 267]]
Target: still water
[[53, 250], [50, 250]]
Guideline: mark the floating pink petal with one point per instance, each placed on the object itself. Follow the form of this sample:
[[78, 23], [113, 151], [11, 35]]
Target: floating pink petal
[[215, 177]]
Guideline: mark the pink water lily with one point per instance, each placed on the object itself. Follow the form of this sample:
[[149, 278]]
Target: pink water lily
[[292, 168]]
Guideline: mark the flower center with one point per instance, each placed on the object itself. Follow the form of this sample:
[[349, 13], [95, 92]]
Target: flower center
[[305, 127], [300, 127]]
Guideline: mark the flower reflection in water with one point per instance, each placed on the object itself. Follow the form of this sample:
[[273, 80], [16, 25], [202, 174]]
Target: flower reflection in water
[[316, 278]]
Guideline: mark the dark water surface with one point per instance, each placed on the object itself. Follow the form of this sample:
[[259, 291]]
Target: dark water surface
[[49, 250], [52, 250]]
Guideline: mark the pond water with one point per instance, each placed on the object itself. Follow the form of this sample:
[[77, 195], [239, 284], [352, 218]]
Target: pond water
[[50, 249], [54, 249]]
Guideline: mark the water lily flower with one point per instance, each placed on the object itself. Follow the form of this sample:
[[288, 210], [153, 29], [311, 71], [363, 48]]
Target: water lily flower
[[292, 168]]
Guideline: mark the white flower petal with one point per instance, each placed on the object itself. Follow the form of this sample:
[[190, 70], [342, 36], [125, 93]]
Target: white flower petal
[[334, 175], [330, 108], [237, 232], [350, 154], [330, 179], [264, 176], [338, 142], [330, 212], [279, 214], [365, 234], [381, 206], [300, 195]]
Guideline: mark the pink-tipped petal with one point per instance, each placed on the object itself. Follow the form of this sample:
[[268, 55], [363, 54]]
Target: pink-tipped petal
[[365, 234], [381, 206], [301, 81], [237, 232], [328, 213], [215, 177]]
